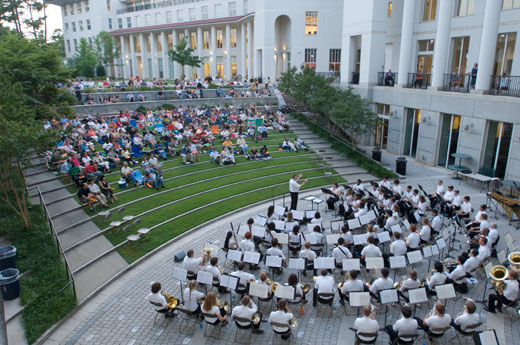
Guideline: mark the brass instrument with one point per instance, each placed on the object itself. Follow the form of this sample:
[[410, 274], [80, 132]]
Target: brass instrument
[[293, 323], [221, 270], [498, 275], [256, 318], [273, 286], [373, 275], [345, 278], [397, 285], [314, 279], [514, 259], [220, 305], [207, 256], [306, 288], [172, 301]]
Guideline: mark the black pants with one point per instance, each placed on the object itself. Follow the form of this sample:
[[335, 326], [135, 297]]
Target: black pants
[[499, 299], [294, 200], [454, 325], [391, 333], [422, 325], [315, 298]]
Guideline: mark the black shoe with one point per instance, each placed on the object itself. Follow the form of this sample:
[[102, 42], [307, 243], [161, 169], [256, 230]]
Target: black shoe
[[285, 336], [258, 331], [489, 311]]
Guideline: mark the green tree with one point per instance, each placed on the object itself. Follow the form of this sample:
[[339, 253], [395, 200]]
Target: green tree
[[183, 55], [10, 13], [57, 42], [85, 60], [35, 18], [107, 51]]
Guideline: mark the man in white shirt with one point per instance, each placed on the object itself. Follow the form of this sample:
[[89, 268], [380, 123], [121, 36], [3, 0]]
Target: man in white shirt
[[246, 245], [493, 234], [371, 250], [509, 293], [458, 276], [406, 325], [309, 257], [437, 278], [385, 183], [243, 276], [381, 283], [465, 208], [246, 310], [472, 262], [449, 194], [396, 188], [341, 252], [282, 316], [413, 239], [440, 189], [192, 264], [398, 247], [294, 188], [324, 284], [213, 269], [436, 320], [352, 285], [466, 318], [410, 283], [407, 195], [366, 324], [437, 223], [358, 186], [483, 249], [426, 231]]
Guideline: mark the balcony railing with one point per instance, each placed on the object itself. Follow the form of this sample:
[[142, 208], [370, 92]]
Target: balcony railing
[[151, 5], [386, 79], [505, 85], [330, 74], [354, 78], [419, 80], [456, 83]]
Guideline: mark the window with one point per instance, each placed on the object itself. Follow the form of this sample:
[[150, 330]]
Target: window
[[108, 5], [219, 39], [180, 16], [460, 53], [109, 24], [220, 67], [205, 41], [128, 22], [232, 9], [75, 44], [157, 18], [504, 53], [192, 14], [66, 27], [88, 25], [389, 13], [334, 60], [181, 36], [246, 6], [65, 12], [79, 7], [310, 59], [311, 23], [170, 42], [205, 61], [233, 38], [119, 23], [430, 10], [74, 26], [87, 6], [68, 45], [193, 38], [138, 21], [72, 9], [148, 44], [80, 24], [234, 66], [137, 44], [89, 40], [465, 8], [204, 12], [168, 17], [147, 19], [426, 45], [218, 11], [509, 4]]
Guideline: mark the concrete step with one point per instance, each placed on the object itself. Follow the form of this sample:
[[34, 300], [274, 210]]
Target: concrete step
[[93, 276], [39, 178], [47, 186], [87, 251], [77, 233], [55, 195], [72, 217], [61, 206], [364, 177]]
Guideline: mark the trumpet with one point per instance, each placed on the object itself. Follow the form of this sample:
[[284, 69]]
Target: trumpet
[[346, 277], [172, 301], [498, 275], [207, 255], [514, 259]]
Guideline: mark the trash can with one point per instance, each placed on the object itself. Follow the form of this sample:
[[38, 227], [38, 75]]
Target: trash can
[[376, 154], [400, 165], [10, 284], [7, 257]]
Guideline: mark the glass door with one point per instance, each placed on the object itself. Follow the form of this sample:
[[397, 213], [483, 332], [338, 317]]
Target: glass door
[[460, 56], [411, 138], [496, 150], [449, 139], [381, 136]]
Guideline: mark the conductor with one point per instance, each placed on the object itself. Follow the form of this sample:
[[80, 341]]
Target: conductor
[[294, 188]]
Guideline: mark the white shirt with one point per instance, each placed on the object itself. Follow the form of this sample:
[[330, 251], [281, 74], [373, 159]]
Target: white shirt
[[190, 302], [413, 240], [440, 189], [192, 264], [244, 277], [426, 233], [93, 188], [340, 253], [457, 200], [493, 235], [471, 264], [466, 320], [366, 325], [466, 207], [247, 246], [397, 189], [157, 298], [214, 311], [281, 317], [483, 253], [405, 326], [398, 248], [245, 312], [435, 321], [358, 187], [352, 286], [437, 223], [371, 251], [215, 271], [324, 284], [307, 254], [436, 279], [511, 290], [448, 195], [385, 184], [315, 238], [458, 274], [409, 283], [275, 252], [294, 187], [381, 284], [347, 236]]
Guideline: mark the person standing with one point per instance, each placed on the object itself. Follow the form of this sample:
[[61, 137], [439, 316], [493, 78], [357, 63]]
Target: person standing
[[294, 188]]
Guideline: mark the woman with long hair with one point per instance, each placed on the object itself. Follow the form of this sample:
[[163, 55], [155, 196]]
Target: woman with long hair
[[192, 296], [214, 315]]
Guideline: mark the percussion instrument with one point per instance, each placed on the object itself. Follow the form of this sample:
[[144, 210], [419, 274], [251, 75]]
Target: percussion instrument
[[172, 301], [514, 259], [498, 275]]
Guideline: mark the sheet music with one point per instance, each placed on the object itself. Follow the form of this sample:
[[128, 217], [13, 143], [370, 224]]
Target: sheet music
[[388, 296], [397, 261], [414, 257], [406, 224], [286, 292], [441, 243], [298, 215], [309, 198], [324, 262], [371, 263], [310, 214], [258, 290], [273, 261], [336, 225], [364, 219], [260, 220], [417, 216], [359, 299], [511, 246], [289, 226], [488, 268], [279, 210], [353, 224], [446, 234], [204, 277], [180, 274], [435, 250], [233, 282], [360, 239], [351, 264], [279, 225], [296, 264], [242, 229], [417, 295], [234, 255], [258, 231], [427, 251], [488, 338], [332, 239], [396, 228], [282, 238], [252, 257], [371, 215], [317, 201], [445, 291], [224, 280], [501, 255], [383, 236]]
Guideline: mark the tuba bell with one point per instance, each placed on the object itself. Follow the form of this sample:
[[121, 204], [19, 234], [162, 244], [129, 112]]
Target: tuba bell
[[306, 288], [514, 259], [172, 301], [498, 275], [256, 318], [293, 323], [207, 256]]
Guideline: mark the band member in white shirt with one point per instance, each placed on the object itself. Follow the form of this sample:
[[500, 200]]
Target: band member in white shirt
[[264, 279], [294, 188], [475, 222], [426, 231], [407, 195], [213, 269], [398, 246], [467, 318], [396, 188], [295, 240], [366, 324], [483, 250], [324, 284], [316, 239], [246, 310], [413, 239], [381, 283], [341, 252], [437, 319], [458, 276], [347, 236], [157, 298], [437, 278], [472, 262], [385, 183], [246, 245], [465, 208], [449, 194], [422, 205], [282, 316], [244, 277], [275, 249], [436, 223], [191, 296], [229, 242], [508, 295], [440, 189], [358, 186], [352, 285], [405, 325], [493, 234], [309, 256], [410, 283], [214, 315], [192, 264], [370, 251]]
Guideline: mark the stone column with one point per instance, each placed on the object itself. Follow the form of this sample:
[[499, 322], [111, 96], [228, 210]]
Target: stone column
[[227, 70], [213, 53], [442, 43], [144, 62], [405, 53], [250, 50], [200, 45], [242, 70], [488, 44], [165, 56], [187, 37], [123, 56], [176, 68], [153, 56], [134, 69]]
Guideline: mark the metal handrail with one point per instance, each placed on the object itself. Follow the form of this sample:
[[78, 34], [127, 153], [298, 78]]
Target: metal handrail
[[70, 275]]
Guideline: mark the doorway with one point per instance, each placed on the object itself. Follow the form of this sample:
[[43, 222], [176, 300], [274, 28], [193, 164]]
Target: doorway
[[449, 139], [496, 150], [413, 117]]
